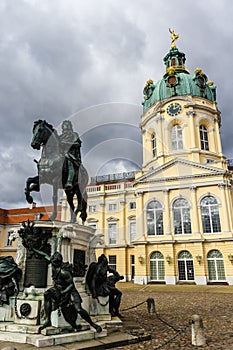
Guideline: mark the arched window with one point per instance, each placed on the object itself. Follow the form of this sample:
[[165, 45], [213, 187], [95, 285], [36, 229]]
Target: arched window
[[181, 214], [154, 145], [216, 268], [204, 138], [210, 215], [154, 219], [185, 266], [177, 138], [157, 271]]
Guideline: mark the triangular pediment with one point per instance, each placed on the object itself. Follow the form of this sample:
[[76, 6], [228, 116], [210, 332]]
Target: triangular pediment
[[178, 169], [92, 220], [112, 219]]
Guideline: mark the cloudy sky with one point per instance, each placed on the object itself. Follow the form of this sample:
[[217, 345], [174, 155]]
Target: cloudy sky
[[88, 61]]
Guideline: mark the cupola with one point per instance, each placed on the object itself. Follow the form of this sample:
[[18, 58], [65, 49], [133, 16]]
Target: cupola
[[177, 80]]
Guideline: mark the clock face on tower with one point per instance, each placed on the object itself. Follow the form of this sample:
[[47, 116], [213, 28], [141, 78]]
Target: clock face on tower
[[174, 109]]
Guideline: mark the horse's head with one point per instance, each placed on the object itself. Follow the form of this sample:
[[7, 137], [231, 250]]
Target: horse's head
[[41, 133]]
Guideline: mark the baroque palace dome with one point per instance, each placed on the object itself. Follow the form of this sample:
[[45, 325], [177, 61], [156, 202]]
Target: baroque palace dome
[[177, 81]]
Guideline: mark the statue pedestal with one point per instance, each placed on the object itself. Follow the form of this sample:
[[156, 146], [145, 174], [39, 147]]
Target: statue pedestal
[[20, 321]]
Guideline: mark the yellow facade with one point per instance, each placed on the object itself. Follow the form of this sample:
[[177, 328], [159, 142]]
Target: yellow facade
[[172, 223]]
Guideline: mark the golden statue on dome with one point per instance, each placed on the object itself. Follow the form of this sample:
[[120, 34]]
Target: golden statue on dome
[[174, 37]]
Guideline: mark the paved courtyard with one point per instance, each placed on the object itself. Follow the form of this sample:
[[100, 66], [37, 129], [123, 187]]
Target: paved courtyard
[[174, 305]]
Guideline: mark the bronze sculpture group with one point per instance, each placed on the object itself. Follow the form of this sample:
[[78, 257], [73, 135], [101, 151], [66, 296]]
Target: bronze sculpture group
[[100, 284], [63, 294], [60, 166]]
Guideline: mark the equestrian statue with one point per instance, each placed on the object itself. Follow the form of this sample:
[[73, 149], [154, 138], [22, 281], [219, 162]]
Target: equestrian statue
[[60, 166]]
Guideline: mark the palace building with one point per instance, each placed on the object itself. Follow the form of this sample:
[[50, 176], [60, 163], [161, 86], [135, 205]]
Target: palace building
[[11, 220], [172, 221]]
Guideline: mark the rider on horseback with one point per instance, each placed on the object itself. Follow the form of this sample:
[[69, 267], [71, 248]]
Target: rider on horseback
[[70, 144]]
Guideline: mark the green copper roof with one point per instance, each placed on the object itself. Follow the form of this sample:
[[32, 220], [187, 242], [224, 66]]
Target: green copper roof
[[177, 81]]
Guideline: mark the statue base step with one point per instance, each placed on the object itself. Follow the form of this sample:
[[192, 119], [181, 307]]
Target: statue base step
[[51, 335]]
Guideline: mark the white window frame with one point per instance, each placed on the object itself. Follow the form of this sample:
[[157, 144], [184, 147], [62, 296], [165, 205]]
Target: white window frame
[[183, 210], [211, 208], [8, 241], [92, 208], [157, 264], [133, 205], [112, 234], [204, 140], [132, 233], [94, 226], [216, 260], [177, 137], [156, 213], [154, 145], [112, 207], [112, 264]]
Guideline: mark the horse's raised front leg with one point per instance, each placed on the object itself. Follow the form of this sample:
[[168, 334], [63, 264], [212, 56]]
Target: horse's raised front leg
[[32, 184]]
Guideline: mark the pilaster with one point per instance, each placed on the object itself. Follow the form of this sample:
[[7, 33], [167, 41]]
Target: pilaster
[[194, 212], [167, 213]]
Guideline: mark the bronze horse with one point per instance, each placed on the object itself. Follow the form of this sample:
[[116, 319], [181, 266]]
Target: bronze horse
[[52, 170]]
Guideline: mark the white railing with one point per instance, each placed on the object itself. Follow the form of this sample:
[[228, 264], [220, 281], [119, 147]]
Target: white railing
[[112, 187], [93, 189], [109, 187]]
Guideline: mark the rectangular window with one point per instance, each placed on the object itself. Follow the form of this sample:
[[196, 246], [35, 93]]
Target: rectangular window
[[216, 220], [177, 138], [94, 226], [182, 222], [92, 209], [132, 205], [204, 138], [37, 216], [159, 222], [206, 220], [132, 260], [112, 261], [8, 241], [154, 145], [112, 207], [112, 233], [132, 231], [212, 270]]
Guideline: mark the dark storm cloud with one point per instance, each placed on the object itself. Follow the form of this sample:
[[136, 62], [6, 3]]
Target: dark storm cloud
[[60, 57]]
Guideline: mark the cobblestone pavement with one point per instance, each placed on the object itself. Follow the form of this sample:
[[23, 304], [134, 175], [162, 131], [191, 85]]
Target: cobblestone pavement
[[176, 305]]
